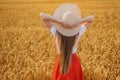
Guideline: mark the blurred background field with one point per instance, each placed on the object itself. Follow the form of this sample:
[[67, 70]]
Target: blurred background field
[[28, 50]]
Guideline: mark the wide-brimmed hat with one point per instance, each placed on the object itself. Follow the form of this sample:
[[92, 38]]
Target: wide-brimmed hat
[[69, 13]]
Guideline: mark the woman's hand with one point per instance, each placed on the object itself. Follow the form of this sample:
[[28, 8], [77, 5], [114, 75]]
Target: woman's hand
[[42, 15]]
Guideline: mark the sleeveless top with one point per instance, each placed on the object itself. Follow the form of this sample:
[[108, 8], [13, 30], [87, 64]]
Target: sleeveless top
[[74, 49]]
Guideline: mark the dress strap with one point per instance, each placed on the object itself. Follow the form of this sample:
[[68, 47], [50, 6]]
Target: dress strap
[[53, 31], [82, 30]]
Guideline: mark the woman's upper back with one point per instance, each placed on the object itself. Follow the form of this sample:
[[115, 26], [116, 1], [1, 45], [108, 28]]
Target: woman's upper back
[[74, 49]]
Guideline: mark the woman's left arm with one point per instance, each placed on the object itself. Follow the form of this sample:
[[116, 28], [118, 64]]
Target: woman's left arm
[[47, 18]]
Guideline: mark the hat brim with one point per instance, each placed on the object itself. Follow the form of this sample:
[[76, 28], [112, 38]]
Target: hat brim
[[67, 32], [66, 7], [59, 13]]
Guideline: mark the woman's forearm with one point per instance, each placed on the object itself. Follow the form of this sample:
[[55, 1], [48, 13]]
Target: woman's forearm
[[88, 19], [49, 18]]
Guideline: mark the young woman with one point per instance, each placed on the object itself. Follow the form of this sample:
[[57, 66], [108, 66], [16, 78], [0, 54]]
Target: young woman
[[67, 26]]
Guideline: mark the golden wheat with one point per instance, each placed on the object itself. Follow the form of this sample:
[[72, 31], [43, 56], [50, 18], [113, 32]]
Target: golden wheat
[[28, 50]]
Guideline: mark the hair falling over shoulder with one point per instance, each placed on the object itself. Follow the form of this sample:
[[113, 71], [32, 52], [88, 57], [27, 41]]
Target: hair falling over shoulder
[[65, 44]]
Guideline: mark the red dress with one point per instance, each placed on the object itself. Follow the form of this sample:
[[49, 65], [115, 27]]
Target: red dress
[[74, 73]]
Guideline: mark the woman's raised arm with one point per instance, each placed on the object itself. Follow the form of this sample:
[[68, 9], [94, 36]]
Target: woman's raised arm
[[85, 21], [48, 19], [88, 19], [45, 19]]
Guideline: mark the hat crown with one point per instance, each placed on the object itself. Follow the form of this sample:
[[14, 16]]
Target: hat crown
[[69, 17], [69, 13]]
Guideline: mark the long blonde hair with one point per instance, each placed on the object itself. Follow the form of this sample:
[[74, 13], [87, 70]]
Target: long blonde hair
[[65, 45]]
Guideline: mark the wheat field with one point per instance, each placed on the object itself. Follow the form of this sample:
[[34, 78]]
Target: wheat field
[[28, 50]]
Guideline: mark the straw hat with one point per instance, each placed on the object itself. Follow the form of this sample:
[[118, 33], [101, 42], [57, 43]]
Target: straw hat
[[69, 13]]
